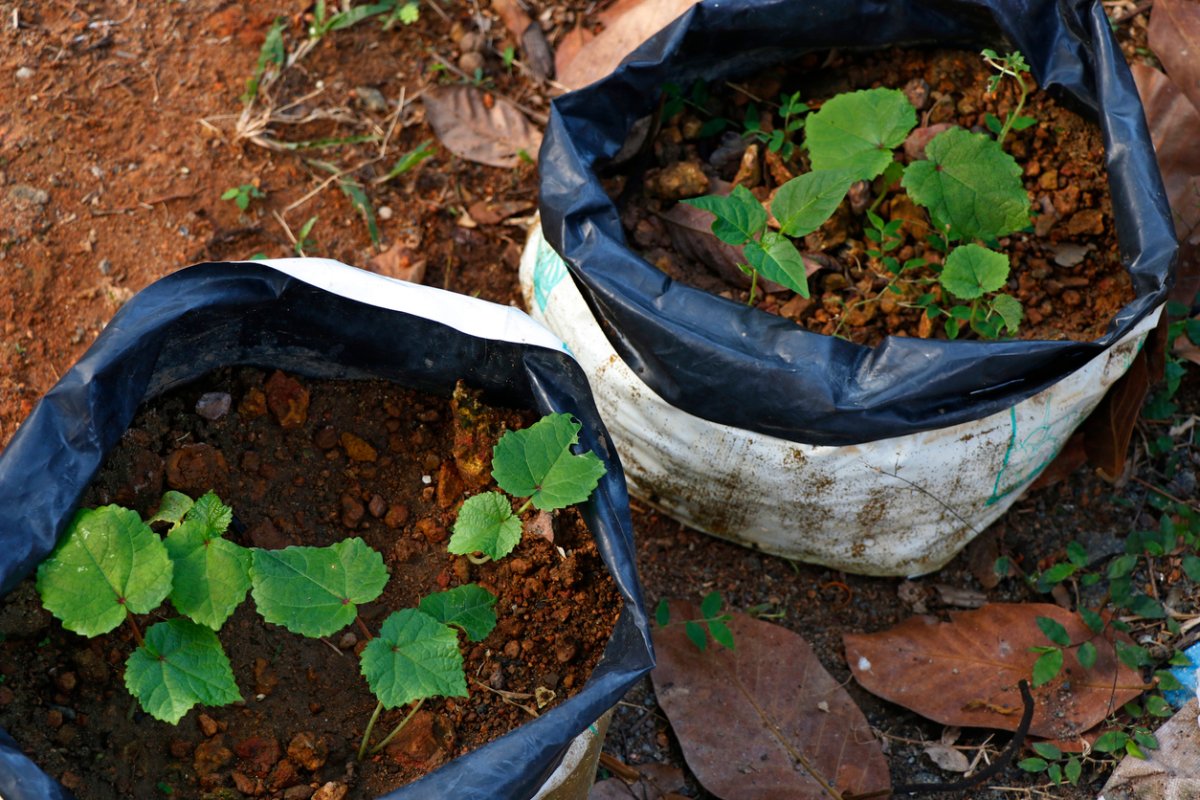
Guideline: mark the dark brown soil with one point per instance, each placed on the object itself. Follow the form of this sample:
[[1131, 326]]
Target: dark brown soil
[[1067, 272], [366, 459]]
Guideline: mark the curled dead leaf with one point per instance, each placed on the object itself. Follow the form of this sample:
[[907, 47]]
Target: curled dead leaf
[[624, 32], [492, 132], [400, 262]]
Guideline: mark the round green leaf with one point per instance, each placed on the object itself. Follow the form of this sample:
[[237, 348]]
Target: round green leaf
[[180, 664], [107, 563], [485, 524], [414, 657], [969, 183], [972, 271], [537, 462], [857, 131], [468, 607], [313, 590]]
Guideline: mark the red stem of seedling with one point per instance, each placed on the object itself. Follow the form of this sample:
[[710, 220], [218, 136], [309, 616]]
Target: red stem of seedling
[[363, 627], [137, 634]]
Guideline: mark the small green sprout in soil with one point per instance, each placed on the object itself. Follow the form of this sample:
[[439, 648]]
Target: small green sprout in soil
[[409, 161], [304, 241], [968, 184], [1011, 66], [711, 620], [535, 463], [110, 566], [242, 195]]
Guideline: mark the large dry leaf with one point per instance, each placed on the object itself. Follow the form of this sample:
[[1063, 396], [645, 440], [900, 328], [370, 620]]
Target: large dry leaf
[[1173, 122], [482, 128], [1172, 772], [1175, 38], [764, 721], [1108, 429], [601, 55], [965, 672]]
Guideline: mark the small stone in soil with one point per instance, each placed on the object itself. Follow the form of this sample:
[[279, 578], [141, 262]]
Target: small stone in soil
[[377, 506], [258, 754], [424, 741], [566, 650], [214, 405], [308, 750], [357, 448], [287, 399], [331, 791], [196, 468], [208, 725], [431, 530], [352, 511], [210, 756], [301, 792], [347, 641], [283, 776]]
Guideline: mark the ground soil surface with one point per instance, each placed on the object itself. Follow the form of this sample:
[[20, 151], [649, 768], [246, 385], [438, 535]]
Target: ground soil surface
[[118, 136]]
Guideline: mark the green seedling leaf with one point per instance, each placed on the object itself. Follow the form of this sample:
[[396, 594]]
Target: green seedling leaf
[[857, 131], [410, 160], [212, 575], [721, 633], [537, 463], [1087, 655], [171, 508], [313, 590], [486, 524], [468, 607], [710, 606], [695, 633], [1054, 631], [777, 259], [180, 664], [1047, 667], [1032, 764], [107, 564], [358, 198], [662, 613], [271, 52], [414, 657], [1111, 742], [804, 203], [1009, 309], [969, 183], [1047, 750], [739, 215], [972, 271]]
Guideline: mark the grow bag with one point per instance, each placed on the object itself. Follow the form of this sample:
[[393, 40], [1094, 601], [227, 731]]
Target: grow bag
[[321, 319], [782, 432]]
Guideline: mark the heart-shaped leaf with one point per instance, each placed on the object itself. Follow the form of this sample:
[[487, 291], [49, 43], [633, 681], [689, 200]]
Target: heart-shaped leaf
[[537, 463], [212, 575], [857, 131], [179, 665], [107, 564], [468, 607], [486, 524], [972, 271], [313, 590], [414, 657]]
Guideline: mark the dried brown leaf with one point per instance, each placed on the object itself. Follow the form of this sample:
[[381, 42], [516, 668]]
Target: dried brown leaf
[[654, 782], [965, 672], [399, 261], [493, 212], [1173, 121], [601, 55], [691, 234], [947, 758], [764, 721], [482, 128], [1174, 33], [1108, 429], [1172, 772], [535, 51]]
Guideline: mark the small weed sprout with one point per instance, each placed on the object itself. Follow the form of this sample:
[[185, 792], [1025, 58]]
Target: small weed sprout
[[242, 195], [1012, 66], [304, 240], [711, 620]]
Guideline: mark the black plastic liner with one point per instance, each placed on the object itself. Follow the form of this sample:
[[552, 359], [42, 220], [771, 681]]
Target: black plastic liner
[[215, 315], [727, 363]]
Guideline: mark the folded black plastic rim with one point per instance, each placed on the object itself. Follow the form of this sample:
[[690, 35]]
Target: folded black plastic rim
[[742, 367], [216, 315]]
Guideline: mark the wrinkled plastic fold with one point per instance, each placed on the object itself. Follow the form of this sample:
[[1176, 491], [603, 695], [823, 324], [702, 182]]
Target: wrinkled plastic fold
[[742, 367], [227, 314]]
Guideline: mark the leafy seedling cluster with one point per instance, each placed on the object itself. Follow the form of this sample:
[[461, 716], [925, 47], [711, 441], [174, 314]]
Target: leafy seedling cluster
[[710, 623], [970, 187], [242, 195], [111, 566]]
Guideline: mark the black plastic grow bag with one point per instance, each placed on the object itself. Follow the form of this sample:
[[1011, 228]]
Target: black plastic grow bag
[[215, 315], [742, 367]]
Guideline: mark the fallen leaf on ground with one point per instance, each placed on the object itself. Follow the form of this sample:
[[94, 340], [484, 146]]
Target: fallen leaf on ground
[[1172, 772], [947, 758], [655, 782], [1174, 34], [399, 261], [469, 128], [535, 50], [965, 672], [601, 55], [1172, 119], [493, 212], [1108, 429], [764, 721]]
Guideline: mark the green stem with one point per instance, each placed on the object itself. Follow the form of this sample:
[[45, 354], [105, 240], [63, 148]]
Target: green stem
[[1012, 117], [525, 507], [362, 748], [753, 286], [398, 728]]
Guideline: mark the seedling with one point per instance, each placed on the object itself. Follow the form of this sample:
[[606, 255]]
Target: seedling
[[1013, 66], [242, 195], [303, 240], [324, 22], [409, 160], [970, 187], [408, 13], [271, 54], [535, 463], [711, 619], [778, 140]]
